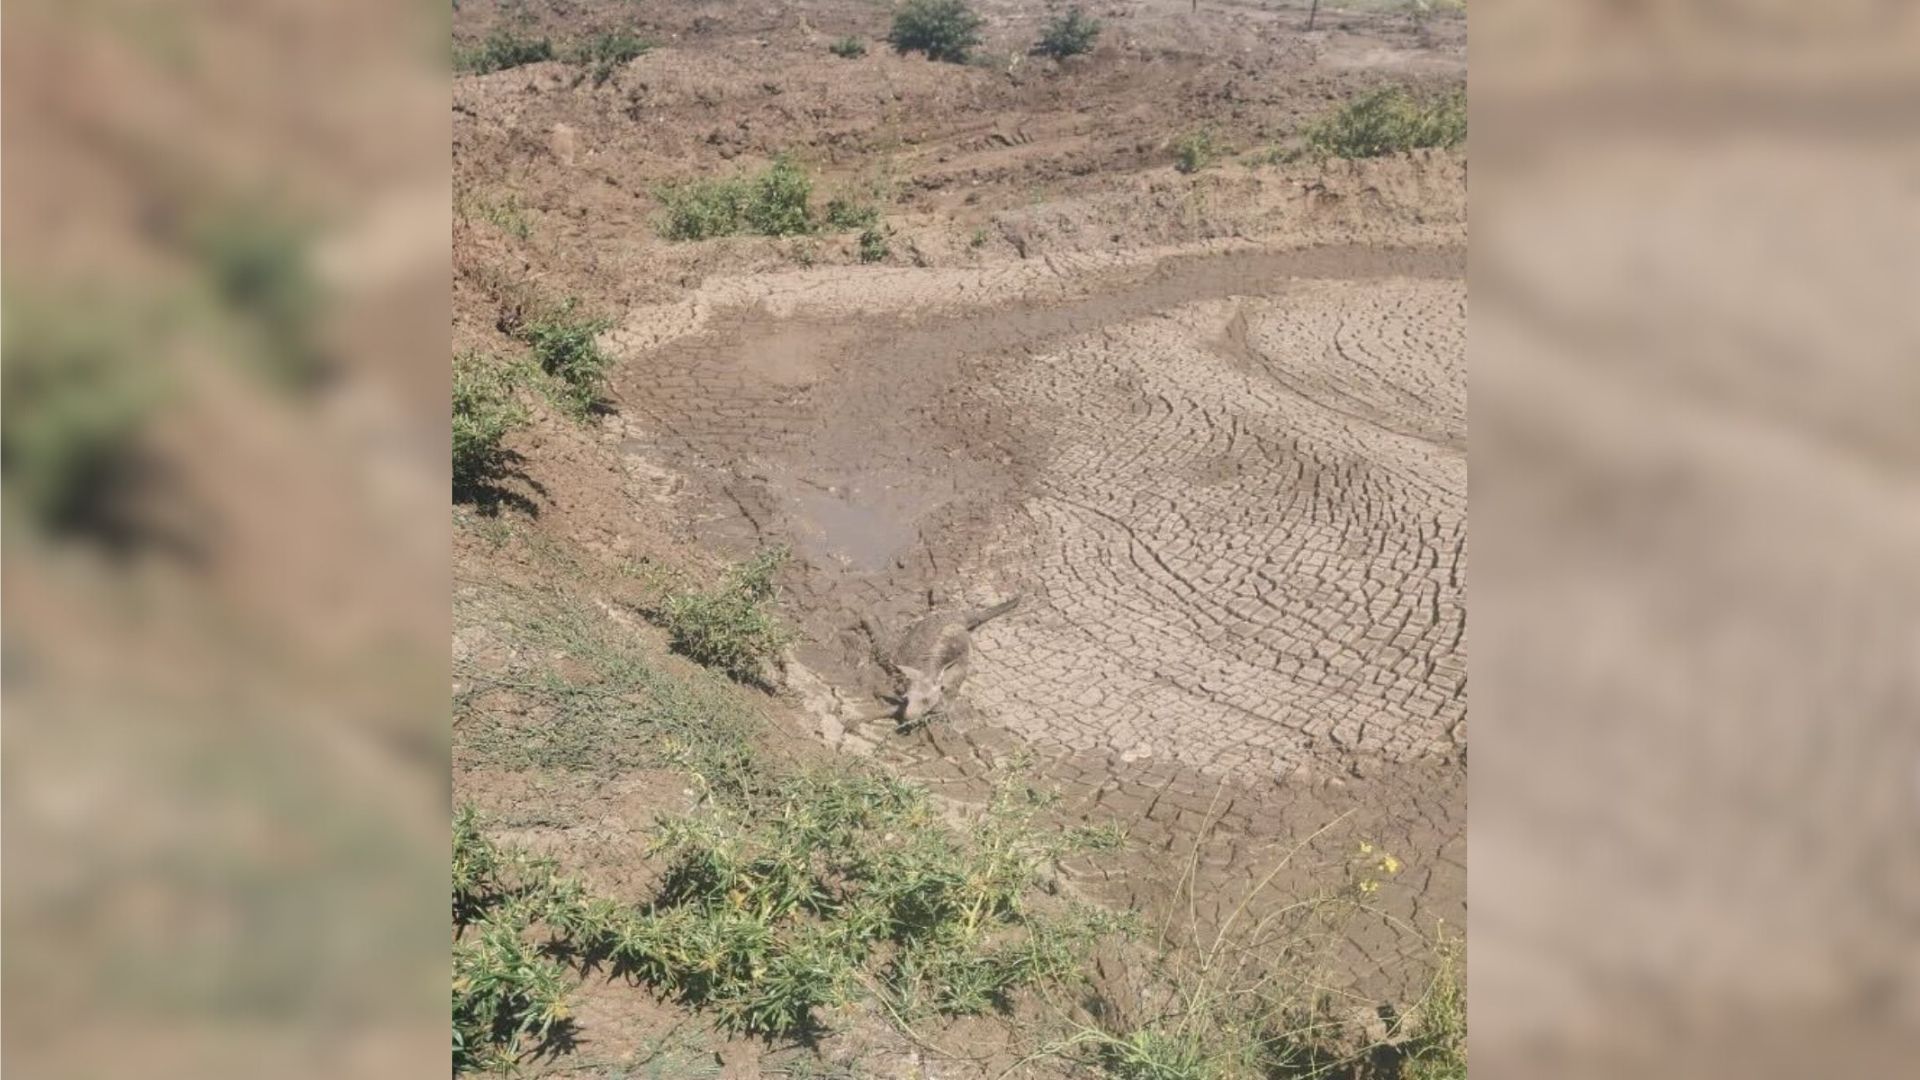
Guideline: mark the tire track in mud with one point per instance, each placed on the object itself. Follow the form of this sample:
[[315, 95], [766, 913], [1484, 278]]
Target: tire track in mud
[[1233, 488]]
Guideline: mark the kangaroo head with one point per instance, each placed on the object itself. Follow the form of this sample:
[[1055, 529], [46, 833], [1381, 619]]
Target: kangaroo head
[[925, 693]]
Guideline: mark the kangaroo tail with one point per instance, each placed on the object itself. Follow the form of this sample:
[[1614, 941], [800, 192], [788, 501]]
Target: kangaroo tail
[[975, 620]]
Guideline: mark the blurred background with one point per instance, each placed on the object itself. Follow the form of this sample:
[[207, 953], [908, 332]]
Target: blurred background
[[225, 537], [1695, 810], [1696, 378]]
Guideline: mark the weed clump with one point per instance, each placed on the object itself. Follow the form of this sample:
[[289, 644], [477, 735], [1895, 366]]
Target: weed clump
[[729, 628], [501, 50], [606, 52], [779, 906], [484, 413], [1194, 151], [773, 203], [1069, 35], [845, 212], [77, 395], [945, 30], [873, 246], [564, 345], [1389, 121], [508, 997], [777, 201], [848, 48], [1440, 1053]]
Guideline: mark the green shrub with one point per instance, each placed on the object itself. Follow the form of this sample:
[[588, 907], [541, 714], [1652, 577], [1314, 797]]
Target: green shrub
[[873, 246], [1194, 151], [729, 627], [508, 998], [502, 49], [484, 412], [773, 203], [259, 263], [942, 29], [564, 345], [848, 48], [778, 905], [607, 51], [1069, 35], [1388, 121], [846, 212], [703, 209], [777, 201], [77, 389]]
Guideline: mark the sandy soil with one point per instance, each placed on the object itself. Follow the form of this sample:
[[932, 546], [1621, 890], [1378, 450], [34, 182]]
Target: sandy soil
[[1211, 427]]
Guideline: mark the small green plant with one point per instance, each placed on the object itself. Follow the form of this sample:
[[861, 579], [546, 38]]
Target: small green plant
[[773, 203], [259, 264], [873, 246], [508, 998], [979, 238], [729, 627], [1388, 121], [77, 391], [1152, 1054], [848, 48], [1069, 35], [777, 202], [500, 50], [506, 214], [779, 904], [703, 209], [846, 212], [945, 30], [484, 413], [1194, 151], [565, 346], [606, 52], [1440, 1051]]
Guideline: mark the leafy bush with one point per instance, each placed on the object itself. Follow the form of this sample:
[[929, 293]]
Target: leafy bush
[[1194, 151], [777, 201], [703, 209], [774, 203], [502, 49], [873, 246], [507, 997], [607, 51], [76, 392], [729, 627], [846, 212], [1389, 121], [942, 29], [1069, 35], [484, 412], [564, 345], [848, 48]]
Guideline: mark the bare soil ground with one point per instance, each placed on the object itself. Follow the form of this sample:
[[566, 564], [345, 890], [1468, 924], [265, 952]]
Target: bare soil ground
[[1212, 427]]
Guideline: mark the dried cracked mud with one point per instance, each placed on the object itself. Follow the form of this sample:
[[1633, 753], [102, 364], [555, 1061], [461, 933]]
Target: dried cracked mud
[[1231, 486]]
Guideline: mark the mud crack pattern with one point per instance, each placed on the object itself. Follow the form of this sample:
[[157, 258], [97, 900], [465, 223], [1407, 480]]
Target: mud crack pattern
[[1250, 534]]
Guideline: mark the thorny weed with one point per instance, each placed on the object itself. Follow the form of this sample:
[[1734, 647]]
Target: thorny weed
[[778, 907]]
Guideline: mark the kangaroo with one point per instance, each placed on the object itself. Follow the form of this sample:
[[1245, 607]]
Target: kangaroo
[[933, 658]]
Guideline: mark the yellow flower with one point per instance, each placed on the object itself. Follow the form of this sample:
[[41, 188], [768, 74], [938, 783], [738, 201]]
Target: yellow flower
[[1368, 888], [1390, 864], [1366, 847]]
